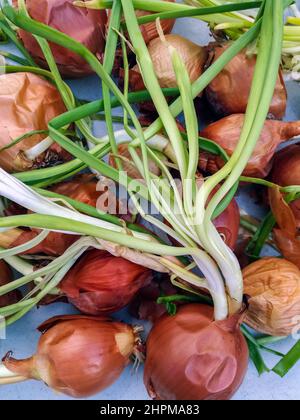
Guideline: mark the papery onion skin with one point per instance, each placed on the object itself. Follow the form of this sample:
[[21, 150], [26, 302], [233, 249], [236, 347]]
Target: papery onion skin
[[226, 133], [192, 357], [5, 278], [193, 56], [77, 355], [84, 25], [228, 93], [27, 102], [102, 284], [286, 171], [128, 165], [273, 288]]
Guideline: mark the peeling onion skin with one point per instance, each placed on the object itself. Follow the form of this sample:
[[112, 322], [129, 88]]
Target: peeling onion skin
[[286, 171], [192, 357], [27, 102], [273, 287], [226, 133], [84, 25], [77, 355], [193, 56], [103, 284], [5, 278], [228, 93]]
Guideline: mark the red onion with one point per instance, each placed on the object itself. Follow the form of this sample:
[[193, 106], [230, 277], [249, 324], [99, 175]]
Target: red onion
[[84, 25], [228, 93], [27, 102], [286, 171], [5, 278], [226, 133], [192, 357], [101, 283], [78, 355]]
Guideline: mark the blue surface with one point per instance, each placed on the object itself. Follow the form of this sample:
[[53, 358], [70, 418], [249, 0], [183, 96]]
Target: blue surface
[[22, 337]]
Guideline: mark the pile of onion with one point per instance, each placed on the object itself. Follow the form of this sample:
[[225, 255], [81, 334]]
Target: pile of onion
[[286, 171], [228, 93], [82, 188], [5, 278], [273, 288], [27, 102], [190, 356], [79, 355], [193, 56], [102, 284], [84, 25], [226, 133]]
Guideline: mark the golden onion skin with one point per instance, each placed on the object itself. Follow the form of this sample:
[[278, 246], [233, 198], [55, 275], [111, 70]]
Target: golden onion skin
[[84, 25], [228, 93], [273, 288], [5, 278], [192, 357], [226, 133], [27, 102], [78, 355]]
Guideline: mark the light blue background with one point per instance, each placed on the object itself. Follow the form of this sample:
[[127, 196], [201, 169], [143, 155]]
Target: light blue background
[[22, 337]]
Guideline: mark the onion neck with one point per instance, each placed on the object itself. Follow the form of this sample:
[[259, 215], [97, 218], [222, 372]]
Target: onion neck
[[24, 368], [8, 377], [290, 130]]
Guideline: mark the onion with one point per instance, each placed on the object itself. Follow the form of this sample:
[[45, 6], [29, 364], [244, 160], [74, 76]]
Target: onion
[[193, 56], [78, 355], [128, 165], [82, 188], [228, 93], [5, 278], [27, 102], [192, 357], [286, 171], [226, 133], [273, 287], [149, 30], [102, 284], [84, 25]]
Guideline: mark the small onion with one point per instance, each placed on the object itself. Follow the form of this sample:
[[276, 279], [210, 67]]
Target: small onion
[[78, 355], [27, 102], [286, 171], [226, 133], [228, 93], [193, 56], [273, 287], [84, 25], [5, 278], [102, 284], [192, 357]]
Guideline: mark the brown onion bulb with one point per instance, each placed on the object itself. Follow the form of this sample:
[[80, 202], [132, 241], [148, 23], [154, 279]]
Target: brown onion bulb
[[273, 287], [84, 25], [228, 93], [78, 355], [286, 171], [102, 284], [193, 56], [192, 357], [226, 133], [27, 102], [5, 278]]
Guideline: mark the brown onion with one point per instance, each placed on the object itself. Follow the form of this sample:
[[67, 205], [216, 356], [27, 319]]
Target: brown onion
[[192, 357], [286, 171], [273, 287], [78, 355], [228, 93], [193, 56], [84, 25], [226, 133], [102, 284], [5, 278], [27, 102]]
